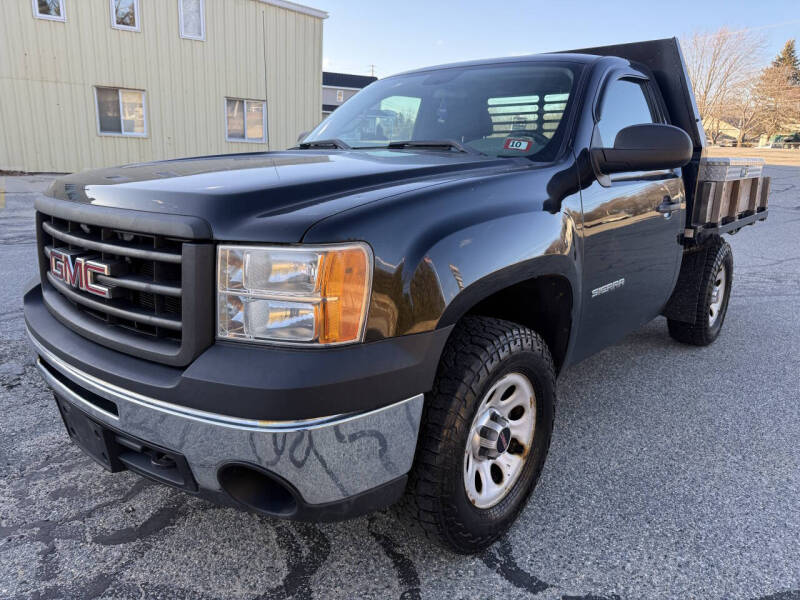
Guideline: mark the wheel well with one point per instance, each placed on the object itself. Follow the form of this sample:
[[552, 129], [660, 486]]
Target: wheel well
[[543, 304]]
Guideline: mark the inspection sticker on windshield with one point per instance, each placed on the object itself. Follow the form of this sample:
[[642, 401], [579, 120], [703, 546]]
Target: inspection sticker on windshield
[[521, 144]]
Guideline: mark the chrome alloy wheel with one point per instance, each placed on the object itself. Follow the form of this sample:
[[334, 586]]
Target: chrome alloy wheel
[[499, 440], [717, 296]]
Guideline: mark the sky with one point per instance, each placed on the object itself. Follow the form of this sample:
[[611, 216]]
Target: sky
[[400, 35]]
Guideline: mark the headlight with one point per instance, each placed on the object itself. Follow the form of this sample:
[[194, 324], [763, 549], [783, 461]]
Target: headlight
[[299, 295]]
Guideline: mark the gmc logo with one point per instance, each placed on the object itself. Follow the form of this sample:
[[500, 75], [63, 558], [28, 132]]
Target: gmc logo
[[79, 271]]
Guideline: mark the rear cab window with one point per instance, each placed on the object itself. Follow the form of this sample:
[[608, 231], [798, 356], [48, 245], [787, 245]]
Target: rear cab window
[[521, 120]]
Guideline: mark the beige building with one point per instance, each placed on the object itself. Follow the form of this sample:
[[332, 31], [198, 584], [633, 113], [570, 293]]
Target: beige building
[[89, 83]]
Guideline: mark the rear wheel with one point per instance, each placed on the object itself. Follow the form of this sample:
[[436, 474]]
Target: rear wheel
[[485, 433], [712, 301]]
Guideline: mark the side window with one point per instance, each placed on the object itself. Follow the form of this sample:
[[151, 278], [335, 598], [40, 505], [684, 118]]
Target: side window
[[392, 120], [52, 10], [401, 112], [125, 15], [192, 19], [120, 112], [624, 104], [245, 120]]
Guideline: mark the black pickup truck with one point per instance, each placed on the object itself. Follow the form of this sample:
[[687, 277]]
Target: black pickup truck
[[380, 314]]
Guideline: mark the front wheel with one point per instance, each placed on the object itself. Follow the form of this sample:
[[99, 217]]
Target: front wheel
[[485, 433]]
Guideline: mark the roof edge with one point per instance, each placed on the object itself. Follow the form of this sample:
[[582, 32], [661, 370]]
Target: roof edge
[[499, 60], [300, 8], [346, 80]]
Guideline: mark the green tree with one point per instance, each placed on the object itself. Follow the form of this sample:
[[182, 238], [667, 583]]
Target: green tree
[[788, 58], [777, 99]]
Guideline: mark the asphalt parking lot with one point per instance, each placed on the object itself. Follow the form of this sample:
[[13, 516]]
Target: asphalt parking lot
[[674, 472]]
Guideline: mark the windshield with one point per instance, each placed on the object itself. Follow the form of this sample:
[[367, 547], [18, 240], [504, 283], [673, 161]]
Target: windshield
[[500, 110]]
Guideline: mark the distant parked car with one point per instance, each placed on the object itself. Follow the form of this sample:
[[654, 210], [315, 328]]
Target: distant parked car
[[792, 141]]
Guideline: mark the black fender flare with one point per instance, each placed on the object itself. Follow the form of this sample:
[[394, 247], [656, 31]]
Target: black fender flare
[[542, 266]]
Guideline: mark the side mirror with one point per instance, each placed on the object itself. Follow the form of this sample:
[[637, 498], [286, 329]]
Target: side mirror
[[302, 136], [645, 148]]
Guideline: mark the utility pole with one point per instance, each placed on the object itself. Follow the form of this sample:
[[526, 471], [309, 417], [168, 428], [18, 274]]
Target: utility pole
[[372, 70]]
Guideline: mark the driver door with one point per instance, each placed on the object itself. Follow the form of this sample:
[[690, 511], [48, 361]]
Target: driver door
[[631, 242]]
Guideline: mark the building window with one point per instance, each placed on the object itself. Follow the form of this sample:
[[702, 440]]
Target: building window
[[340, 95], [52, 10], [245, 120], [192, 19], [125, 15], [120, 112]]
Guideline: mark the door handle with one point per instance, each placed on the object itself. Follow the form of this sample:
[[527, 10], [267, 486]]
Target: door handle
[[667, 206]]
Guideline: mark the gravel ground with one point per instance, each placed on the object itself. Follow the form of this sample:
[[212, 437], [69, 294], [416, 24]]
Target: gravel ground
[[674, 473]]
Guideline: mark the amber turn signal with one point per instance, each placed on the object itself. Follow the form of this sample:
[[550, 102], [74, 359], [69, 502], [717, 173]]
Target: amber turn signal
[[344, 289]]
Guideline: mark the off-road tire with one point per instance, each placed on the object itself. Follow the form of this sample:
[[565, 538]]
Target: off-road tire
[[701, 333], [479, 352]]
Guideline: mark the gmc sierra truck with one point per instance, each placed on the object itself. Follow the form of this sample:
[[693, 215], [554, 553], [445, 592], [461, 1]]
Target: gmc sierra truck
[[380, 313]]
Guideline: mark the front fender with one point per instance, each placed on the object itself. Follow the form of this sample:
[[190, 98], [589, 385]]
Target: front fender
[[441, 250]]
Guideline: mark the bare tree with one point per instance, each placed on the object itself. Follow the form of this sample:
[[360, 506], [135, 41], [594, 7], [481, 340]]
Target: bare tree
[[719, 64], [743, 110], [713, 127]]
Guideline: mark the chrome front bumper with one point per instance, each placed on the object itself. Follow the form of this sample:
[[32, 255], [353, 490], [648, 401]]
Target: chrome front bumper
[[326, 459]]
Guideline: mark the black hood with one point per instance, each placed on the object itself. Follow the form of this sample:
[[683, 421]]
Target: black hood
[[273, 196]]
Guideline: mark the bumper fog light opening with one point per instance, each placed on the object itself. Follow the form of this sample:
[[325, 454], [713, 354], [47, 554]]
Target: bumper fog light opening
[[257, 489]]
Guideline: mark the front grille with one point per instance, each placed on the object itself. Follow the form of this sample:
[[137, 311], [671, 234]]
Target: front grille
[[146, 281], [145, 284]]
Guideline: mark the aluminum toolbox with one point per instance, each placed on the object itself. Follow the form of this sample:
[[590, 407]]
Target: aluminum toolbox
[[727, 169], [730, 193]]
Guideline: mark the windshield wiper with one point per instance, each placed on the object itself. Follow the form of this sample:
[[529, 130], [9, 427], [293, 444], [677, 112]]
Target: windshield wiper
[[331, 143], [433, 144]]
